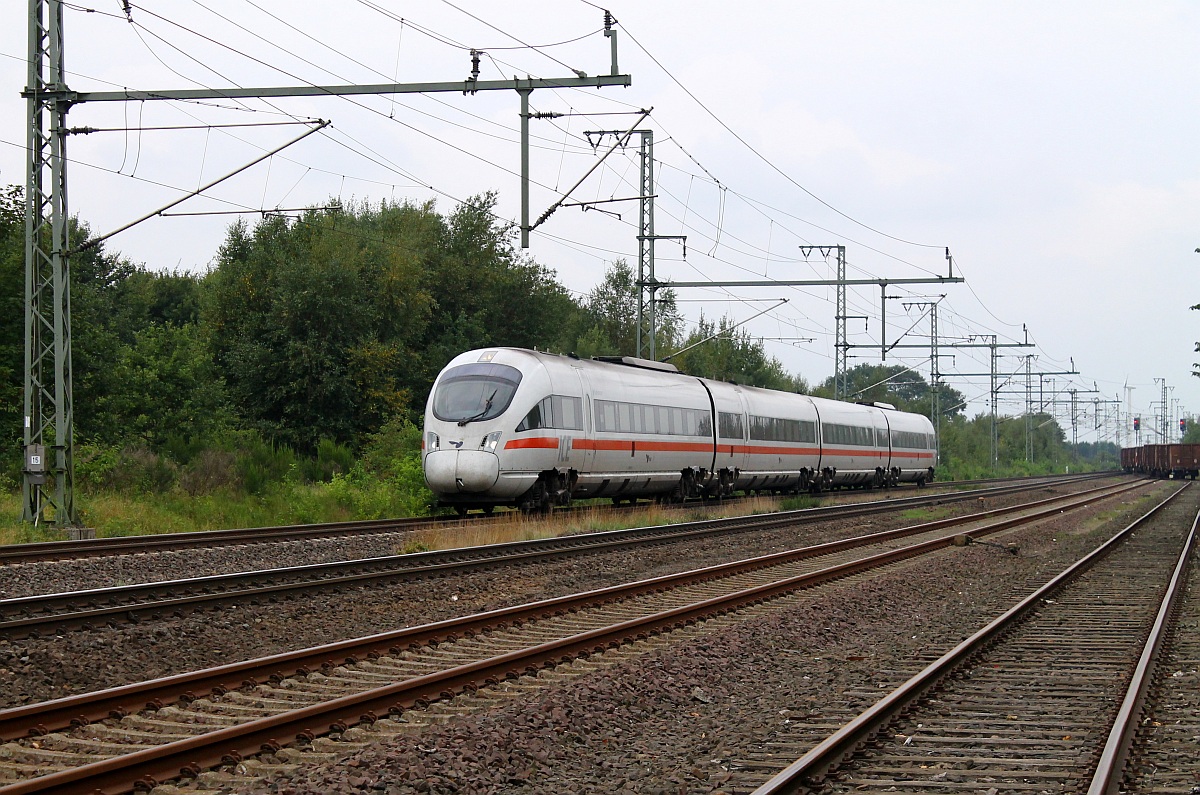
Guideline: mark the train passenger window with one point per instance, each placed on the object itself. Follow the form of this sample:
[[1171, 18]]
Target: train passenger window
[[642, 425], [569, 412], [624, 418], [913, 441], [729, 424], [778, 429], [618, 417], [533, 419], [662, 419], [555, 411], [856, 435], [606, 416]]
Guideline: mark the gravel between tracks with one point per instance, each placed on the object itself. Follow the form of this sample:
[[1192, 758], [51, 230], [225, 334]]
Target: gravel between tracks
[[672, 721], [39, 669]]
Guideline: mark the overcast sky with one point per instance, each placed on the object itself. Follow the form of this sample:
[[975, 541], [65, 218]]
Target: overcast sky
[[1051, 146]]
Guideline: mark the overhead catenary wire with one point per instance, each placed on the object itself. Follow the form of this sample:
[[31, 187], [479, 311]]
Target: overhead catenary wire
[[727, 233]]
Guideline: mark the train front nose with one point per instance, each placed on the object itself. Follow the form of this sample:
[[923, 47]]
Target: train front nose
[[461, 471]]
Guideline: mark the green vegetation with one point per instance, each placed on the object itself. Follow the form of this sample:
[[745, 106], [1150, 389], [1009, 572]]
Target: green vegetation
[[286, 384]]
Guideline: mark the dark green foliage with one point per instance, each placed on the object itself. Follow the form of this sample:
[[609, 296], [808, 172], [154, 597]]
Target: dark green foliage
[[12, 316], [331, 459], [134, 469], [260, 463], [607, 322], [966, 446], [297, 369], [327, 326], [897, 384], [163, 386]]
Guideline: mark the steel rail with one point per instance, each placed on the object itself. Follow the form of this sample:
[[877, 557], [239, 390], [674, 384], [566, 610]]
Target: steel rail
[[192, 754], [122, 545], [808, 772], [36, 615], [89, 707], [1111, 767]]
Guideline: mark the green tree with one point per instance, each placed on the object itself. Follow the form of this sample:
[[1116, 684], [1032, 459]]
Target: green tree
[[607, 325], [327, 326], [899, 385], [722, 352], [169, 389], [12, 316], [292, 328], [486, 293]]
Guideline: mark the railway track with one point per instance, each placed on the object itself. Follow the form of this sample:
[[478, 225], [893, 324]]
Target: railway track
[[1026, 703], [385, 683], [43, 615], [128, 545], [1164, 736]]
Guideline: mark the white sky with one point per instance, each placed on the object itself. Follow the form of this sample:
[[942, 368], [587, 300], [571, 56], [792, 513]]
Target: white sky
[[1051, 147]]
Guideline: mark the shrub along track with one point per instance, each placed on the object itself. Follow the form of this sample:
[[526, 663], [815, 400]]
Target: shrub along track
[[546, 634]]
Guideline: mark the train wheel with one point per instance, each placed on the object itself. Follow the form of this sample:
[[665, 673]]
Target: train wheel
[[461, 510]]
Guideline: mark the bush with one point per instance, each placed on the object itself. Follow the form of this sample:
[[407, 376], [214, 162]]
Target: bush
[[209, 471], [332, 459], [385, 452], [11, 473], [132, 469], [261, 463]]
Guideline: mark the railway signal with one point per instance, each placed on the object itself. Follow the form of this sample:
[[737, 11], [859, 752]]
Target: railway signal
[[1137, 423]]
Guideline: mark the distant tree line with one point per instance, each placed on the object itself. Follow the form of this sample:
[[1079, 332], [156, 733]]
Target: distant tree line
[[321, 332]]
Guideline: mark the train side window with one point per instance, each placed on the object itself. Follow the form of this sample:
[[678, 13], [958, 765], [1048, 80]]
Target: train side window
[[534, 420], [606, 416], [569, 412], [624, 419], [729, 424]]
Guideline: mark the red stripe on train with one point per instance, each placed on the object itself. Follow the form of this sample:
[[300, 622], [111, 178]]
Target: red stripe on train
[[635, 445]]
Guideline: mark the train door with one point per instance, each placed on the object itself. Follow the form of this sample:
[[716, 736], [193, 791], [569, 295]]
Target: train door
[[884, 442], [584, 452]]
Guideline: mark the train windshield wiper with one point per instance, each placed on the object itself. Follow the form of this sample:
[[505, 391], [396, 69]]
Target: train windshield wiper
[[487, 406]]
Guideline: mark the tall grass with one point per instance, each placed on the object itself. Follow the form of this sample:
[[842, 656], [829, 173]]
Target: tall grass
[[239, 480], [511, 526]]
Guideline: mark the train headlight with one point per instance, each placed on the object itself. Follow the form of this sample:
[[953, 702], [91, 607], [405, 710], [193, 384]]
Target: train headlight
[[432, 441], [490, 441]]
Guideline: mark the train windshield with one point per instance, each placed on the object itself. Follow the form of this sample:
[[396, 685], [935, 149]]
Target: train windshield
[[475, 392]]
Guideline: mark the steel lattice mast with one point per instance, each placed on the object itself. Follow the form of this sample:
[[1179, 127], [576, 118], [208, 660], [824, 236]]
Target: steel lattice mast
[[49, 416]]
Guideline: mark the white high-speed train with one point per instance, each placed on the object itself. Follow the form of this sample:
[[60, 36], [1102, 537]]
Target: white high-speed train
[[507, 426]]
